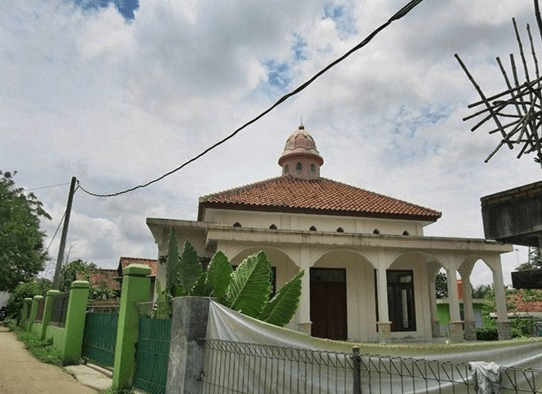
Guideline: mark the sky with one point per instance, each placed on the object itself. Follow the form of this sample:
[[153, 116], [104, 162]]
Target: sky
[[118, 93]]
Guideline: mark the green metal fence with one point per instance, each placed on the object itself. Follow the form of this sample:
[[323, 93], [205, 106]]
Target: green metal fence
[[152, 355], [100, 338]]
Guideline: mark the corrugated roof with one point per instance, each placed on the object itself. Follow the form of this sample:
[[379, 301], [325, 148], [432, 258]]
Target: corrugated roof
[[316, 196]]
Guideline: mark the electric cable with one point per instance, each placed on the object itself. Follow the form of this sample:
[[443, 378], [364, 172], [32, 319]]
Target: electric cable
[[56, 232], [401, 13], [48, 187]]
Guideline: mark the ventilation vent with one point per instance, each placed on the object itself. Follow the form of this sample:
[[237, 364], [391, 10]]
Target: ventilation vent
[[340, 230], [406, 233], [312, 228], [376, 231], [237, 224], [272, 227]]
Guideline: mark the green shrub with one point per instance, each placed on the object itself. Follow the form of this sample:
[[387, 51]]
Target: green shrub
[[43, 350], [487, 334]]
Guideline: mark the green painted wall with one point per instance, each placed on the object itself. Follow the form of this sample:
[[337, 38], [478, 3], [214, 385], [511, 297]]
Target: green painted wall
[[36, 328], [75, 322], [135, 288], [58, 334], [47, 311], [33, 313]]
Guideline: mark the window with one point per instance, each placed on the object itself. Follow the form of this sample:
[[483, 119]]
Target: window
[[299, 167], [286, 169], [401, 300], [313, 168]]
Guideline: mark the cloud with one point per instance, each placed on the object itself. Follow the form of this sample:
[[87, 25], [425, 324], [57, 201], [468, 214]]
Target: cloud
[[117, 102]]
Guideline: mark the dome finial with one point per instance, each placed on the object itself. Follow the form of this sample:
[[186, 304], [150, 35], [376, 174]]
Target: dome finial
[[301, 122]]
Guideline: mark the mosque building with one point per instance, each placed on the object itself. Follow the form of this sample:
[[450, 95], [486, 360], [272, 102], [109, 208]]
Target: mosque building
[[369, 270]]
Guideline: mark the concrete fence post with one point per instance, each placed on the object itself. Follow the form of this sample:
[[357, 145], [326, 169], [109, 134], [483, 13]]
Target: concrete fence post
[[135, 288], [185, 365], [75, 322], [48, 311], [33, 312], [27, 305]]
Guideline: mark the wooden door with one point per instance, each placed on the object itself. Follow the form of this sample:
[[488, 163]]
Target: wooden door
[[328, 303]]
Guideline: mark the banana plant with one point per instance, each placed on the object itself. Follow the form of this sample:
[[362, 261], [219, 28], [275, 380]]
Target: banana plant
[[246, 289]]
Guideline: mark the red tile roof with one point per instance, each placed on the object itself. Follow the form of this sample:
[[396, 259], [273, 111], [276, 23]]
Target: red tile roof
[[126, 261], [315, 196]]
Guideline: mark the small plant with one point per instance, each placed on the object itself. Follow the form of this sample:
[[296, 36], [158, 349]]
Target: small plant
[[43, 350], [246, 289], [487, 334]]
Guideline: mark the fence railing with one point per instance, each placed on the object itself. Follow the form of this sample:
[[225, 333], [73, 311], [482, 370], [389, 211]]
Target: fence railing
[[233, 367], [41, 307], [60, 309]]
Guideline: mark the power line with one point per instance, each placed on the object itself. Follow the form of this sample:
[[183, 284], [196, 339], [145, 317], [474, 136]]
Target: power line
[[56, 231], [401, 13], [48, 187]]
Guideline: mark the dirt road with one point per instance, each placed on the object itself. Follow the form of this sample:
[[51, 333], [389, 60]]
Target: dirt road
[[21, 373]]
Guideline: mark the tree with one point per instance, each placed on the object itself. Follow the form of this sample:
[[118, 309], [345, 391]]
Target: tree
[[535, 261], [26, 290], [482, 291], [100, 286], [441, 285], [22, 253], [246, 289], [69, 271]]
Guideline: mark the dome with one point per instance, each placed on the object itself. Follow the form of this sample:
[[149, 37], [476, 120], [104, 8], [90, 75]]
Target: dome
[[301, 143], [300, 157]]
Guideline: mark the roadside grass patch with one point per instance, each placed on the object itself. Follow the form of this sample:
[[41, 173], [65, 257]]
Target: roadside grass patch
[[43, 350]]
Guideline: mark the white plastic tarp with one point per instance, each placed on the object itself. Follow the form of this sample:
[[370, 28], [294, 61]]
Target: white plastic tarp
[[270, 375]]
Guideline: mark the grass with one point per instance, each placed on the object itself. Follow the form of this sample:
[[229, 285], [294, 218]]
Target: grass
[[43, 350]]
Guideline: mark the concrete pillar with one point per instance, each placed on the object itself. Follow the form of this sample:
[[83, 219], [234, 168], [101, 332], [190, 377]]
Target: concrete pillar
[[47, 311], [384, 325], [135, 288], [75, 322], [503, 324], [304, 323], [470, 325], [33, 312], [456, 325], [27, 307], [188, 324]]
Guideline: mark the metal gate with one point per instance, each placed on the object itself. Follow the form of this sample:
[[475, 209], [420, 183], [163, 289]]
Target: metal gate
[[100, 338], [152, 355]]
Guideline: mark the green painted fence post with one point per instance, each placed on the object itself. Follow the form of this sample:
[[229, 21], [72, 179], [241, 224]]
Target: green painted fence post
[[27, 304], [33, 312], [135, 288], [75, 322], [48, 311]]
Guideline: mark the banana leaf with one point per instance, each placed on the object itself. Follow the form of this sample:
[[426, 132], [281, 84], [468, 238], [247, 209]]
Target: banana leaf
[[280, 310], [250, 285], [189, 268], [219, 275]]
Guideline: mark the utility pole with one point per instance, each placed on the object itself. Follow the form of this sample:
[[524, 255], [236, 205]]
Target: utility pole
[[56, 280]]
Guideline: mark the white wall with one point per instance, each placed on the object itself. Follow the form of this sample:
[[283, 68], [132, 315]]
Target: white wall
[[303, 222]]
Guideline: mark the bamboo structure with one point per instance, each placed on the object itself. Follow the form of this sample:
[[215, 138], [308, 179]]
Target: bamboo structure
[[517, 111]]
